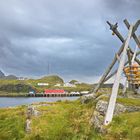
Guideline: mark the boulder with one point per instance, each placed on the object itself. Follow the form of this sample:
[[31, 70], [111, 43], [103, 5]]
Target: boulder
[[101, 107], [98, 116], [132, 108], [28, 126], [87, 98], [32, 111]]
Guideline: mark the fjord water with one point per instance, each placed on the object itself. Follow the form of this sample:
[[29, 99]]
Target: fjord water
[[15, 101]]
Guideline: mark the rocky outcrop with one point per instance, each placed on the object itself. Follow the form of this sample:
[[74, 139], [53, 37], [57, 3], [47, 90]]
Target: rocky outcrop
[[87, 98], [31, 111], [101, 107], [28, 126], [98, 116]]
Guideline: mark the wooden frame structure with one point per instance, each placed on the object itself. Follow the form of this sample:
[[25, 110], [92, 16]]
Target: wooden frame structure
[[125, 52]]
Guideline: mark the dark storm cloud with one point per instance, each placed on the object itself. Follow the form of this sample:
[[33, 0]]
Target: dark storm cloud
[[71, 36]]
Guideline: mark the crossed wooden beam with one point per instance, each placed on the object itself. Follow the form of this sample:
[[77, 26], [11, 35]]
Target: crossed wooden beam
[[106, 76], [124, 51]]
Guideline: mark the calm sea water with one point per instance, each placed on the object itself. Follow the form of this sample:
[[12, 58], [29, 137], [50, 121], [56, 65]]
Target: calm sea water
[[15, 101]]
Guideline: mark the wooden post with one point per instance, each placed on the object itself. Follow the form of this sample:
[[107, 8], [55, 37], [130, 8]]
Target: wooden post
[[125, 87], [129, 56], [112, 101], [108, 70], [113, 73], [134, 55], [114, 29], [134, 35]]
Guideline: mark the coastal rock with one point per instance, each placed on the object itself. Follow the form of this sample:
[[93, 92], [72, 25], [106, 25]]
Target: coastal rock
[[101, 107], [97, 118], [87, 98], [132, 108], [28, 126], [32, 111]]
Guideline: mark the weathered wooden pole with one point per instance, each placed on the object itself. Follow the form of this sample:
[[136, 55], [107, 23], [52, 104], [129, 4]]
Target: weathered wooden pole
[[105, 77], [112, 101], [125, 87], [108, 69], [134, 35], [134, 55], [113, 73], [129, 56], [115, 31]]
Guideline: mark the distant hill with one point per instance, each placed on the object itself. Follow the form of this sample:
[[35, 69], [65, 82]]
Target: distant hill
[[52, 79], [2, 74], [9, 77], [73, 81], [12, 77]]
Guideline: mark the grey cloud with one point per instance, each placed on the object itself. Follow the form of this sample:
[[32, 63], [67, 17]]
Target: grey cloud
[[71, 36]]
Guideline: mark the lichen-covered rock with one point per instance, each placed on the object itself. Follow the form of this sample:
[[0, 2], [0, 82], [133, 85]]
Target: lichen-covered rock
[[132, 108], [101, 107], [97, 120], [32, 111], [99, 114], [28, 126], [102, 96], [36, 113], [87, 98]]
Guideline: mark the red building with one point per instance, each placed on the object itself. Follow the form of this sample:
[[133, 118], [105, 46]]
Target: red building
[[54, 91]]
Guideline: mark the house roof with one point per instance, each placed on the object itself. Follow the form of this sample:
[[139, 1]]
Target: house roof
[[56, 91]]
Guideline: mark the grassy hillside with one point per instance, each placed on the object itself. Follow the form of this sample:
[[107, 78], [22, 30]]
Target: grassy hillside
[[23, 86]]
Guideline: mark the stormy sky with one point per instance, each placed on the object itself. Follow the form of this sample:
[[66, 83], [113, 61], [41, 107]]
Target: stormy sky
[[69, 38]]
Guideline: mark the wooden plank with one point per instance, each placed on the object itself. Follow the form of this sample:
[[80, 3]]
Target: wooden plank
[[121, 38], [112, 74], [112, 101], [134, 35], [129, 56], [125, 87], [108, 70], [134, 55]]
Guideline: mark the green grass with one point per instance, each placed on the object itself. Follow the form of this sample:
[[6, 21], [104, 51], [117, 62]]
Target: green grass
[[67, 120], [12, 123], [125, 101], [129, 101], [64, 121], [125, 127]]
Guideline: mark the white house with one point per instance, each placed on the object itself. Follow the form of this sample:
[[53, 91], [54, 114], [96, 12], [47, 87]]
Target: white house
[[42, 84], [84, 92], [69, 85], [74, 93], [57, 85]]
